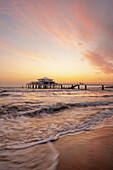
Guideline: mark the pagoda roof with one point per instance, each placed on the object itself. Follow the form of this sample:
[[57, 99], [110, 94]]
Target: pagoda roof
[[45, 78]]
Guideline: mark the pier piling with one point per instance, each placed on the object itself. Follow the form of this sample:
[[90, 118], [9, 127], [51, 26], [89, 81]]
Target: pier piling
[[102, 87], [78, 87], [85, 86]]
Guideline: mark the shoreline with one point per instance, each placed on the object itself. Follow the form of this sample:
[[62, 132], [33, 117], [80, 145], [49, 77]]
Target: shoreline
[[89, 150]]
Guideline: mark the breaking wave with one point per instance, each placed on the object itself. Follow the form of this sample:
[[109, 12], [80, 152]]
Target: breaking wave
[[32, 109]]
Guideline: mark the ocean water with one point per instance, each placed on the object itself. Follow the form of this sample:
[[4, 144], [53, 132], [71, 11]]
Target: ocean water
[[31, 117]]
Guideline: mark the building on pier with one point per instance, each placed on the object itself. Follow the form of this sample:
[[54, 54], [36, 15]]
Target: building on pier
[[46, 80], [42, 83]]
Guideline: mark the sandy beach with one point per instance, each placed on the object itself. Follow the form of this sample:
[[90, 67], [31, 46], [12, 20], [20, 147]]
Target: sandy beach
[[89, 150]]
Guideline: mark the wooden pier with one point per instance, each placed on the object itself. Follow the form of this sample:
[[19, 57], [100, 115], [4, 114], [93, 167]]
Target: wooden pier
[[46, 83]]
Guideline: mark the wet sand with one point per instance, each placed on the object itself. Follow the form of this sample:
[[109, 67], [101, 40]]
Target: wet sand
[[91, 150]]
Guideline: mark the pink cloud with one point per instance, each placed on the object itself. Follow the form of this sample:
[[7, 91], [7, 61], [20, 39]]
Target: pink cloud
[[45, 20], [99, 62]]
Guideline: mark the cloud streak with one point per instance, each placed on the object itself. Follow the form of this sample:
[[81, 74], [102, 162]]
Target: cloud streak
[[34, 56]]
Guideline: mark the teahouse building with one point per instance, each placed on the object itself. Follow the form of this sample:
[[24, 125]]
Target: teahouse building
[[45, 80], [42, 83]]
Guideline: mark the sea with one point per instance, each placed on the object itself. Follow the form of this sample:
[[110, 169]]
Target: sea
[[29, 118]]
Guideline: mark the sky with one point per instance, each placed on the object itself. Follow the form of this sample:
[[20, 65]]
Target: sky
[[68, 40]]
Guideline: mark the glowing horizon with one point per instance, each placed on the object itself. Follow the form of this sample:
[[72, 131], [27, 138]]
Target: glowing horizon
[[69, 41]]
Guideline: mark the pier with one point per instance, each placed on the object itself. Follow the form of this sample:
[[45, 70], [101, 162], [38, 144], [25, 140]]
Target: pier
[[46, 83]]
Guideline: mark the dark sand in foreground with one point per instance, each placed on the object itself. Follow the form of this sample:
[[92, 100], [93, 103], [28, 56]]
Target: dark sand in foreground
[[91, 150]]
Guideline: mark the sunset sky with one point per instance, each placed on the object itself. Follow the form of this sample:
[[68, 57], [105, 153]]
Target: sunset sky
[[67, 40]]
